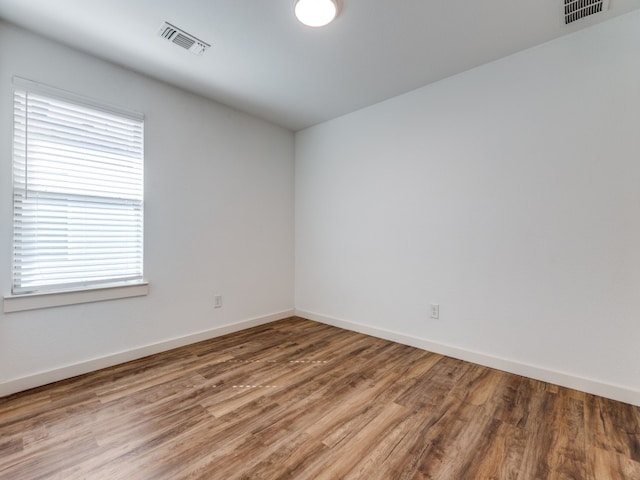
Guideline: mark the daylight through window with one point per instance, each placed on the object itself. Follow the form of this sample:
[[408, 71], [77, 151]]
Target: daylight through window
[[77, 195]]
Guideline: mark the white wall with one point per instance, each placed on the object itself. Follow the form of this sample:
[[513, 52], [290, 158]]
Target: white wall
[[509, 195], [218, 218]]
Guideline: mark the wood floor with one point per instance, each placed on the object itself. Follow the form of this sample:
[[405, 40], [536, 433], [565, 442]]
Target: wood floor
[[300, 400]]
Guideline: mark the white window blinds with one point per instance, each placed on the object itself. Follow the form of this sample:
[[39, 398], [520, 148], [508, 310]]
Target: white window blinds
[[77, 195]]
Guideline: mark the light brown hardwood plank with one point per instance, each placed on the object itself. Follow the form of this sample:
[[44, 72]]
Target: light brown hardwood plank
[[607, 464]]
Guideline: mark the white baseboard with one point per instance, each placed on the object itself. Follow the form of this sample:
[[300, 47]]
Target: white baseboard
[[43, 378], [614, 392]]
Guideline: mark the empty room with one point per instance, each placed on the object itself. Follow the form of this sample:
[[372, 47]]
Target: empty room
[[319, 239]]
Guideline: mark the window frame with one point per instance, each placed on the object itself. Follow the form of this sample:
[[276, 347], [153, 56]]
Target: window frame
[[25, 299]]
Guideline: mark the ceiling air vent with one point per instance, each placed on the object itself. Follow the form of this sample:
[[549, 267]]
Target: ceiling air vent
[[183, 39], [577, 9]]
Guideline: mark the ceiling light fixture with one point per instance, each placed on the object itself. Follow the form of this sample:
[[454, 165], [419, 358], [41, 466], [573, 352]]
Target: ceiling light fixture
[[316, 13]]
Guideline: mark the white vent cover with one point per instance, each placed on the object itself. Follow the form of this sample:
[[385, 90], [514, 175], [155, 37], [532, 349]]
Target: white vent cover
[[183, 39], [577, 9]]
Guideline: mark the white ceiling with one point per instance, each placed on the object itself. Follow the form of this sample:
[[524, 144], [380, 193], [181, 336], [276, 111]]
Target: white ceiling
[[264, 62]]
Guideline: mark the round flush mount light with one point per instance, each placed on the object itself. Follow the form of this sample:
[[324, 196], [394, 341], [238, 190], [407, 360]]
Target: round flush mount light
[[316, 13]]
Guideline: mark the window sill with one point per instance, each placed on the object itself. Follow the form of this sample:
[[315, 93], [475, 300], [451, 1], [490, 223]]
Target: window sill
[[19, 303]]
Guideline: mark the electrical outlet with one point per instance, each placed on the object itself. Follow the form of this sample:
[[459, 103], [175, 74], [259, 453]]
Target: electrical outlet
[[217, 301], [435, 310]]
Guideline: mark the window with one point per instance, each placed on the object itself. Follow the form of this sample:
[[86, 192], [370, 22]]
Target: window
[[77, 193]]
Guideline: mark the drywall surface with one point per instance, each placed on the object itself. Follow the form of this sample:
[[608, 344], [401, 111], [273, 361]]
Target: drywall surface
[[218, 218], [509, 195]]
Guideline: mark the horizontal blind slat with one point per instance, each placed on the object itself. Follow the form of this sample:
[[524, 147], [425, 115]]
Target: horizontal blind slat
[[78, 193]]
